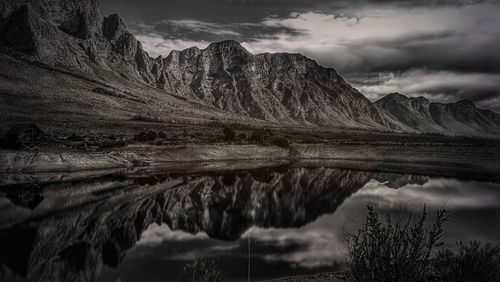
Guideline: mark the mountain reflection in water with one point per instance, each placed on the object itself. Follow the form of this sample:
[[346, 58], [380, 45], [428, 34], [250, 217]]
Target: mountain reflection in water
[[142, 227]]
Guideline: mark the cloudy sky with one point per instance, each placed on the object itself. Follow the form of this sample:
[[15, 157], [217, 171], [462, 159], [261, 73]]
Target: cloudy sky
[[445, 50]]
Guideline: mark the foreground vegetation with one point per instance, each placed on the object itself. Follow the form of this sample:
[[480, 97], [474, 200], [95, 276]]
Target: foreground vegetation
[[408, 250], [397, 250]]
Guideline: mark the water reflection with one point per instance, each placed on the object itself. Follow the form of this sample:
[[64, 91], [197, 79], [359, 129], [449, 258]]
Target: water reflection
[[146, 227]]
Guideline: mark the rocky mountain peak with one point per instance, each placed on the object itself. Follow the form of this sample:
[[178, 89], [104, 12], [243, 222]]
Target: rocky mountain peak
[[184, 54], [229, 49], [393, 97], [466, 103], [421, 115], [114, 27], [398, 98], [226, 45]]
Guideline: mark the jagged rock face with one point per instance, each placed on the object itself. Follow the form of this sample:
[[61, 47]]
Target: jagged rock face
[[79, 18], [421, 115], [74, 34], [286, 88], [55, 31], [128, 56]]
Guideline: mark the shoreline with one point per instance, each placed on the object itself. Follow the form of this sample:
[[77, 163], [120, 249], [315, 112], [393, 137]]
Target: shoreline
[[476, 163]]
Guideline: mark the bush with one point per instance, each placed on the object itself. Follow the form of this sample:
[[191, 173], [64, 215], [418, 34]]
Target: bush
[[394, 250], [281, 142], [110, 143], [406, 251], [202, 270], [260, 136], [151, 136], [472, 262], [75, 138], [242, 136], [143, 118], [229, 133], [143, 136]]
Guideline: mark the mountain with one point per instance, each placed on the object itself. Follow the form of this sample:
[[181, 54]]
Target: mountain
[[284, 88], [68, 68], [421, 115], [222, 82]]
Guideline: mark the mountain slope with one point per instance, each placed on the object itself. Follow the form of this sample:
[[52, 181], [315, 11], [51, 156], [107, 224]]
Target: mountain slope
[[421, 115]]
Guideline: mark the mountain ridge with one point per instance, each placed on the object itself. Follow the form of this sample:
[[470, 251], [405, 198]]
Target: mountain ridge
[[281, 88], [422, 115]]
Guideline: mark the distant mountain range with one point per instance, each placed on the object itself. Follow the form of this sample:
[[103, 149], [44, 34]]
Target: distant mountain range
[[288, 89]]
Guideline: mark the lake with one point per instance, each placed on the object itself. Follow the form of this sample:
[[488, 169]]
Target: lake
[[262, 223]]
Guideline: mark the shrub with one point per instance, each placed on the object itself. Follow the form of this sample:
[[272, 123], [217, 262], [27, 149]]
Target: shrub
[[112, 144], [394, 250], [75, 138], [242, 136], [202, 270], [406, 251], [260, 136], [144, 118], [140, 136], [151, 136], [229, 133], [472, 262], [281, 142], [143, 136]]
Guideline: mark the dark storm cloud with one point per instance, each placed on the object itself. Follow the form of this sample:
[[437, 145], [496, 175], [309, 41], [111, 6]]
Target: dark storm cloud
[[380, 46], [439, 51], [222, 11], [209, 31], [227, 11]]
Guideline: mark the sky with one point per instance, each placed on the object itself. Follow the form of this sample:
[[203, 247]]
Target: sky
[[445, 50]]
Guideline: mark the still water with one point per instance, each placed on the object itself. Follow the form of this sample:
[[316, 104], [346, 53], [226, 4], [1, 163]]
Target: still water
[[262, 223]]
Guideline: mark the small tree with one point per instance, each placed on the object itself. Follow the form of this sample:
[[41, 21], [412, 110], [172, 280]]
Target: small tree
[[229, 133]]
